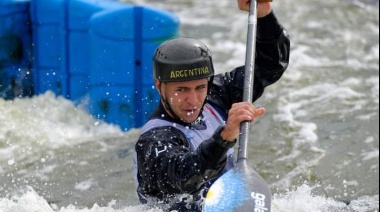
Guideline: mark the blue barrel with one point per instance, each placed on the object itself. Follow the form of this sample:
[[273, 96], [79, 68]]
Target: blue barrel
[[122, 43], [15, 49], [50, 46], [79, 15]]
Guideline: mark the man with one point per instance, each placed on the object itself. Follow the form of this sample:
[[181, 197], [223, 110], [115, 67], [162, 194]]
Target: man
[[188, 142]]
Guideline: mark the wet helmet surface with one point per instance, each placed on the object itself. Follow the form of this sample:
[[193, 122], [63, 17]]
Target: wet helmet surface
[[182, 59]]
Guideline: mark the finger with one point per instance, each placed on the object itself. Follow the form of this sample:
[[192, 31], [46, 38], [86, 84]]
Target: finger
[[252, 113], [260, 112], [242, 108], [237, 117], [243, 116]]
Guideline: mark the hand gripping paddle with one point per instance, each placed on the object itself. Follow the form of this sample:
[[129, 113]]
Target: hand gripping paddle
[[242, 189]]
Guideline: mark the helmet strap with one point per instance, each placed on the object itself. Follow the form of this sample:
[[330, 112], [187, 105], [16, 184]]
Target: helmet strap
[[166, 105], [168, 108]]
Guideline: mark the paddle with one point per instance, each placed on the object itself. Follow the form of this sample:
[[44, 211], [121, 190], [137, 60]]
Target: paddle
[[242, 189]]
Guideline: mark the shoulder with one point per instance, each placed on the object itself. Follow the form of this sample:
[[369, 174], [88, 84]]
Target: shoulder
[[162, 135], [158, 140], [227, 88]]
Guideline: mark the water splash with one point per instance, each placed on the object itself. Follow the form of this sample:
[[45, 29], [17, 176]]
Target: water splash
[[299, 200], [302, 200]]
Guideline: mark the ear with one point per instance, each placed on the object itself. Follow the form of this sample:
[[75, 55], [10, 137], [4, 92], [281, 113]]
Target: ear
[[158, 85]]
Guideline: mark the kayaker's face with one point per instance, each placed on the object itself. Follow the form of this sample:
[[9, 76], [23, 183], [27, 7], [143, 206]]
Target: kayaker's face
[[186, 99]]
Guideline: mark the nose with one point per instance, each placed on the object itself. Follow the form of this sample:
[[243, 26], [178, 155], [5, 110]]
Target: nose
[[192, 98]]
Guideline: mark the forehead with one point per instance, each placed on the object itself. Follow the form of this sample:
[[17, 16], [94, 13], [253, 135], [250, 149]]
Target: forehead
[[188, 84]]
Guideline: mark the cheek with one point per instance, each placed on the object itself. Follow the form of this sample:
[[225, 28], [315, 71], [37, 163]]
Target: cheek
[[202, 98], [175, 99]]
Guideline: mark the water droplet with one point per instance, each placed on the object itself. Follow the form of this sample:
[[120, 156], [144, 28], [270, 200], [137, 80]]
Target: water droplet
[[11, 161]]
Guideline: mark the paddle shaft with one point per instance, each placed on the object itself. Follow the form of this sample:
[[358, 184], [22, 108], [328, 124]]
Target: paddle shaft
[[241, 188], [249, 78]]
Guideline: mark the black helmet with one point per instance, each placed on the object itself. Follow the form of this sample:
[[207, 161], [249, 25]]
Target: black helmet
[[182, 59]]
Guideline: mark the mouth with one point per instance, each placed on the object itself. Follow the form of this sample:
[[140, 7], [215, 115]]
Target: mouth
[[191, 112]]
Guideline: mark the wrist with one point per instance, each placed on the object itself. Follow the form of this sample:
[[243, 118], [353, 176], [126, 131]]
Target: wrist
[[265, 8], [227, 136]]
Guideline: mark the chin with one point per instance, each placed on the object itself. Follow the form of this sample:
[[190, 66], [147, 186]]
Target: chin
[[190, 119], [187, 120]]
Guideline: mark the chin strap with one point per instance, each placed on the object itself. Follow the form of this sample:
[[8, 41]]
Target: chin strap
[[167, 106]]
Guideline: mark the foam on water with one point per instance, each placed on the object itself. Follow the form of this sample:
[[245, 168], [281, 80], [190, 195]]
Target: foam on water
[[28, 200], [32, 202], [32, 126], [300, 200], [49, 121]]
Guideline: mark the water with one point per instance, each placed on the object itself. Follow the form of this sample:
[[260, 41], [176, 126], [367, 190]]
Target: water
[[317, 146]]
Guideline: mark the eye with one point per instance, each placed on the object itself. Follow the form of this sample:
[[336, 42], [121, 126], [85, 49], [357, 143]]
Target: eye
[[202, 87], [181, 90]]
